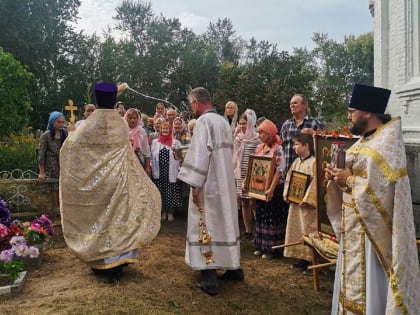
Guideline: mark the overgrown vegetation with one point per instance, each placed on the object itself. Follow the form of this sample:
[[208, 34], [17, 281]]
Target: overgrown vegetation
[[19, 151]]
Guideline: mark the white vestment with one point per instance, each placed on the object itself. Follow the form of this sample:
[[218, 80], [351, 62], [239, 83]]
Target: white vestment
[[377, 268], [208, 165]]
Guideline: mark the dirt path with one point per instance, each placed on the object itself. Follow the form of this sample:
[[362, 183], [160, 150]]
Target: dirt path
[[161, 283]]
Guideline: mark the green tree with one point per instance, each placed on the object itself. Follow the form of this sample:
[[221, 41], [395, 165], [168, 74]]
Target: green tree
[[340, 66], [222, 36], [38, 34], [15, 103]]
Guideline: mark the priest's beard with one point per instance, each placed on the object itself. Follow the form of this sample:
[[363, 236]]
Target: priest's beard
[[359, 127]]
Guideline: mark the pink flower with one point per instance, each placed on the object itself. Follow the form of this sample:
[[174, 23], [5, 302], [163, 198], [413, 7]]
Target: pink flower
[[35, 226], [3, 230]]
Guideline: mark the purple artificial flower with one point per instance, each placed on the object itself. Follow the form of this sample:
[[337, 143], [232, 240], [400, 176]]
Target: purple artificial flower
[[6, 256], [5, 217], [20, 250], [17, 240]]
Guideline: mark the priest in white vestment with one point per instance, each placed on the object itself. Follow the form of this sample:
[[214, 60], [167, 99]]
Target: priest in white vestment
[[370, 208], [208, 169], [109, 205]]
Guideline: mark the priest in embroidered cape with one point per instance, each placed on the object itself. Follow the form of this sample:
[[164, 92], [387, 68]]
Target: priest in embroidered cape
[[109, 206], [208, 168], [370, 208]]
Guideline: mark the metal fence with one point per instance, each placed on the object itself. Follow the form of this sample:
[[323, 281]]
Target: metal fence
[[23, 194]]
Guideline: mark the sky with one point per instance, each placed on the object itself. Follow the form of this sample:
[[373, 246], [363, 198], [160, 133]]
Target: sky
[[287, 23]]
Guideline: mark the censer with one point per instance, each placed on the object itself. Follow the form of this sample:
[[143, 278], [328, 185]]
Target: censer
[[205, 238]]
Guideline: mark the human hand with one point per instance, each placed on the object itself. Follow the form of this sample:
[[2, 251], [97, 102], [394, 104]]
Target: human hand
[[328, 172], [269, 195], [340, 175], [147, 170], [41, 178], [308, 130]]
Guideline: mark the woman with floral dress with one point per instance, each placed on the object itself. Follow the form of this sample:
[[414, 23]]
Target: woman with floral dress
[[49, 154]]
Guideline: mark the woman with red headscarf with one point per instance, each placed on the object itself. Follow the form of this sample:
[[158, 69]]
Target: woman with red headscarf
[[271, 215], [165, 170]]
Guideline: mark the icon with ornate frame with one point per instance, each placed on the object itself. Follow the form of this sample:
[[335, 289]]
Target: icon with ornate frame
[[299, 183], [259, 175]]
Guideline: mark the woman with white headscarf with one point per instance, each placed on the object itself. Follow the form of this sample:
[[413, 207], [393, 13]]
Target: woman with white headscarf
[[246, 141]]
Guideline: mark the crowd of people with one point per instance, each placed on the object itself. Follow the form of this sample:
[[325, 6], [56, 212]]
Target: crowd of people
[[217, 171]]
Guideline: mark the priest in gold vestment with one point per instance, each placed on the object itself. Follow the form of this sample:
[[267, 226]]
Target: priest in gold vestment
[[109, 206], [370, 208]]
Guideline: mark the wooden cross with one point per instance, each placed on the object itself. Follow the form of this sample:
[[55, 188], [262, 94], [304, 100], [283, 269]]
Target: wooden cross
[[70, 107]]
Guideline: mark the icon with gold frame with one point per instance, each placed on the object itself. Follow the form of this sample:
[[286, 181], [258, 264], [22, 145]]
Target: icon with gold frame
[[299, 183], [259, 175]]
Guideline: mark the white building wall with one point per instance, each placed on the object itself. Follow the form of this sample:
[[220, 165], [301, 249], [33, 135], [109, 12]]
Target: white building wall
[[397, 67]]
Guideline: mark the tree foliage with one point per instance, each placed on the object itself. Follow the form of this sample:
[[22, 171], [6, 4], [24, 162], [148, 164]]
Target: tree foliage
[[162, 60], [15, 103], [340, 66]]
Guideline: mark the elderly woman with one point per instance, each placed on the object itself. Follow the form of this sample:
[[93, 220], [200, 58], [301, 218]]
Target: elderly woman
[[271, 215], [49, 154], [165, 170]]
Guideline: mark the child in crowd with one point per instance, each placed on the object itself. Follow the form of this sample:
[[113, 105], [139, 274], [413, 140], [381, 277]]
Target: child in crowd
[[302, 217], [160, 112]]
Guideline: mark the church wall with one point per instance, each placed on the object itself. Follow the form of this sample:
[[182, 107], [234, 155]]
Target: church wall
[[397, 67]]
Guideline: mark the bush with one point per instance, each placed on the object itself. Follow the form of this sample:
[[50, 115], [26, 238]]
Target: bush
[[18, 151]]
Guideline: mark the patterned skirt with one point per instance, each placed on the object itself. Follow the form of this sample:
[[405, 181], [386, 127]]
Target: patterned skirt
[[271, 221]]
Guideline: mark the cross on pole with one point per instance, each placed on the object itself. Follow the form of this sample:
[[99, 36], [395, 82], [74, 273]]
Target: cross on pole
[[70, 107]]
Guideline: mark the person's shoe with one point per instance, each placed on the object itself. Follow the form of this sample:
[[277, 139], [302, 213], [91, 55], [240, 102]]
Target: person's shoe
[[308, 272], [267, 256], [207, 282], [163, 216], [237, 274], [301, 265], [170, 217], [258, 253], [246, 236], [114, 275]]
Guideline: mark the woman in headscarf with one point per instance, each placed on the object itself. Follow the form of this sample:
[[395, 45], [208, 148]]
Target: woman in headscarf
[[179, 132], [245, 143], [49, 154], [165, 171], [138, 138], [271, 215], [231, 114]]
